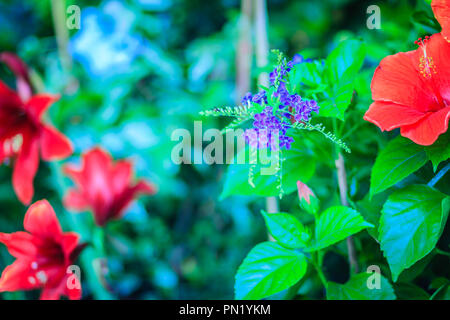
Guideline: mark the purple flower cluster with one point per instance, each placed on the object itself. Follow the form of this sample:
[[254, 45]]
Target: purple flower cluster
[[268, 131], [304, 108], [284, 70], [258, 98], [269, 128]]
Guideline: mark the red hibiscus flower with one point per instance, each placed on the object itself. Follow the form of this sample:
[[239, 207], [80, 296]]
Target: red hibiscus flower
[[23, 133], [411, 90], [43, 255], [103, 186]]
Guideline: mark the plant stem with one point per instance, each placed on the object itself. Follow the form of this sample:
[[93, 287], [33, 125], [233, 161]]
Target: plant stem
[[262, 40], [318, 268], [439, 175], [244, 51], [262, 59], [61, 32], [342, 182], [442, 252], [322, 277]]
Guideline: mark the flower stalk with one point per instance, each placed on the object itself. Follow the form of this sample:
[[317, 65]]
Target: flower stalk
[[439, 175], [342, 183]]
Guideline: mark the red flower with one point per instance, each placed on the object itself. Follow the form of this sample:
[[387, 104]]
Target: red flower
[[411, 90], [23, 133], [43, 255], [103, 186]]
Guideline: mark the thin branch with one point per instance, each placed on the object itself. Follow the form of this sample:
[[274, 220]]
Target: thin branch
[[342, 181], [61, 32], [262, 40], [439, 175], [244, 51], [262, 59]]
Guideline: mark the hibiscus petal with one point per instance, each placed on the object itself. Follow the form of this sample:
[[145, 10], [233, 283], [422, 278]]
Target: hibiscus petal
[[25, 169], [19, 244], [145, 188], [74, 293], [438, 51], [41, 220], [69, 242], [426, 131], [18, 276], [54, 145], [8, 97], [397, 79], [20, 70], [441, 10], [72, 288], [121, 175], [121, 204], [388, 115], [15, 64], [97, 167], [74, 200], [52, 292], [39, 103], [65, 283], [74, 173]]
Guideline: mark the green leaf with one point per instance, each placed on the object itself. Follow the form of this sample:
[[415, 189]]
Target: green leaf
[[268, 268], [423, 18], [299, 164], [336, 224], [357, 288], [370, 209], [411, 223], [442, 286], [307, 76], [408, 275], [442, 293], [440, 150], [341, 68], [399, 159], [286, 229], [409, 291]]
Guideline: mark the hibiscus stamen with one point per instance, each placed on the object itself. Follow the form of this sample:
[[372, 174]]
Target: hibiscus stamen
[[13, 145], [426, 64], [41, 276], [422, 42], [17, 143], [427, 67]]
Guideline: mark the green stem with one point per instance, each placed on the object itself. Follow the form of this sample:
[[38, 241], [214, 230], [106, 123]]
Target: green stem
[[342, 184], [439, 175], [319, 271], [61, 32], [442, 252]]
